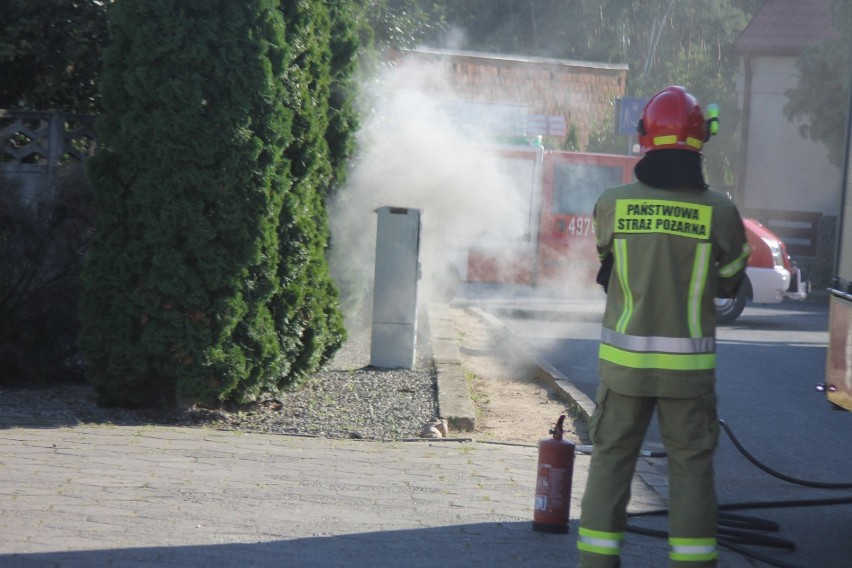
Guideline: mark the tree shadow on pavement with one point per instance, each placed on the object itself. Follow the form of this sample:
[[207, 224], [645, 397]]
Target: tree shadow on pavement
[[492, 545]]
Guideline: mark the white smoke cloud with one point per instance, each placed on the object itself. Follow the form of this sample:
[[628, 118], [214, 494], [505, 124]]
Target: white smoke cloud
[[412, 154]]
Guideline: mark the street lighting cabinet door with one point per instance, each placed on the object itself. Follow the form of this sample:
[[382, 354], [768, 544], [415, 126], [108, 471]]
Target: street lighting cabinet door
[[394, 333]]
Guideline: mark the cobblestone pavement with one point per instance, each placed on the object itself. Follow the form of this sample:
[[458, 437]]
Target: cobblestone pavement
[[166, 496], [151, 495]]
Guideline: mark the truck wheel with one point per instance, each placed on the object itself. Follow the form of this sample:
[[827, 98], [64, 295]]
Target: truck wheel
[[729, 309]]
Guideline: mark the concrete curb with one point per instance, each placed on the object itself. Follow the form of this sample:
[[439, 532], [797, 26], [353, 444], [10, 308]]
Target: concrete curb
[[545, 373], [649, 471], [454, 403]]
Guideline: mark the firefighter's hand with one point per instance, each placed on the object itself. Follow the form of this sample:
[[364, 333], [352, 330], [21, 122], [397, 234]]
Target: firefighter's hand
[[604, 272]]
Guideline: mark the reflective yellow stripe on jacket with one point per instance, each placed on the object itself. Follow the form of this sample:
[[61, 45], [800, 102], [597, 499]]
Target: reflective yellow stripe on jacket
[[700, 269], [696, 353], [674, 362], [733, 267], [620, 259]]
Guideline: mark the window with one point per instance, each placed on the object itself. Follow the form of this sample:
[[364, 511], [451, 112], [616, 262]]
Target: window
[[576, 187]]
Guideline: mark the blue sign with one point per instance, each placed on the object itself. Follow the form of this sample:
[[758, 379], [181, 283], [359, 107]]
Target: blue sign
[[629, 111]]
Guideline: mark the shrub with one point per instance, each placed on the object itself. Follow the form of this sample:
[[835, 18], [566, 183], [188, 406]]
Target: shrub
[[208, 280], [41, 256], [189, 182]]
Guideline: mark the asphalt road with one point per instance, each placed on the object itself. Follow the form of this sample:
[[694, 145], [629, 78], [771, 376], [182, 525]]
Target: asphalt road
[[769, 362]]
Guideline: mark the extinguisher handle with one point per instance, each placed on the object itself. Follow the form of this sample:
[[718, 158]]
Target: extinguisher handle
[[557, 430]]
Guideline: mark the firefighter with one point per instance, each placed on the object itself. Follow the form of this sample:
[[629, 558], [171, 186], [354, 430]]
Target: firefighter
[[668, 245]]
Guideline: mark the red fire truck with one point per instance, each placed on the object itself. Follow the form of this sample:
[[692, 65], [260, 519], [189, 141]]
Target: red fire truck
[[557, 250]]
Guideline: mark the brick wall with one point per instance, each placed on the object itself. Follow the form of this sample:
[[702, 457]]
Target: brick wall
[[582, 92]]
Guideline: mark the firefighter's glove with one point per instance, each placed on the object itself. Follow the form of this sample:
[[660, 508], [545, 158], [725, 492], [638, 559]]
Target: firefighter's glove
[[604, 272]]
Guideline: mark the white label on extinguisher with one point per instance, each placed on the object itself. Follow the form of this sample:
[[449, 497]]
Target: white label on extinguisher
[[550, 490]]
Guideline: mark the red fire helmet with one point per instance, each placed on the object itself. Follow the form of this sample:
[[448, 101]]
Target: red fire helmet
[[672, 119]]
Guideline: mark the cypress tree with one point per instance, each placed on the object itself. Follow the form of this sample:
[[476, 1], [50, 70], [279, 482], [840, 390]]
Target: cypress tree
[[343, 119], [310, 324], [189, 182]]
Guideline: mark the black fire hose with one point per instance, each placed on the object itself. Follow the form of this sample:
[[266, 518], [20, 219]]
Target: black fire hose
[[777, 474], [734, 531]]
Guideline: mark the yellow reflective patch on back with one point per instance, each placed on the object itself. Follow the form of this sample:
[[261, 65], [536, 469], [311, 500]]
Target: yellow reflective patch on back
[[662, 216]]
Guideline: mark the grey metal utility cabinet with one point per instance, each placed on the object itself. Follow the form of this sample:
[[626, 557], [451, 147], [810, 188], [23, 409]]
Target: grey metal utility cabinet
[[394, 337]]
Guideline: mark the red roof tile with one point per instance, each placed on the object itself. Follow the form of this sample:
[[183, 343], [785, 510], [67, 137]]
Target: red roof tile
[[786, 27]]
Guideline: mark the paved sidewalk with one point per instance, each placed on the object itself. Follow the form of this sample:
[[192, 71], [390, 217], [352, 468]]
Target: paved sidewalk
[[150, 496], [163, 496]]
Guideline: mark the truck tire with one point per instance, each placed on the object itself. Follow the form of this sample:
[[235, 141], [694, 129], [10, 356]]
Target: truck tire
[[729, 309]]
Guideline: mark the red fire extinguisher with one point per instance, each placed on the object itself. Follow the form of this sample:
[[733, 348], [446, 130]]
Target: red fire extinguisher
[[553, 485]]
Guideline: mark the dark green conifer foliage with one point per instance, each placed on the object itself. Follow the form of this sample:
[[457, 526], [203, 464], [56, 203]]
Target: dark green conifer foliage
[[190, 181], [343, 118], [306, 309]]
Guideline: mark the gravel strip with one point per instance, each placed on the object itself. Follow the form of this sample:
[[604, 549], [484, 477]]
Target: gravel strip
[[347, 399]]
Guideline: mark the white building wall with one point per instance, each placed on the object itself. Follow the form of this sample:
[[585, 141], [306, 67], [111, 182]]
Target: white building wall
[[783, 170]]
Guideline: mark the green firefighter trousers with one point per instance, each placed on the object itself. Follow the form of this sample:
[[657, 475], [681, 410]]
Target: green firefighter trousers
[[690, 432]]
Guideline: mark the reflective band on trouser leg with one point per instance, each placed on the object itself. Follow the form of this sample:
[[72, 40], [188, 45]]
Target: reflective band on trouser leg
[[599, 542], [693, 549]]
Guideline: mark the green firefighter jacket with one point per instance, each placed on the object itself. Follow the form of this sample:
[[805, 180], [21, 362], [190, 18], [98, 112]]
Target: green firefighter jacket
[[673, 252]]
